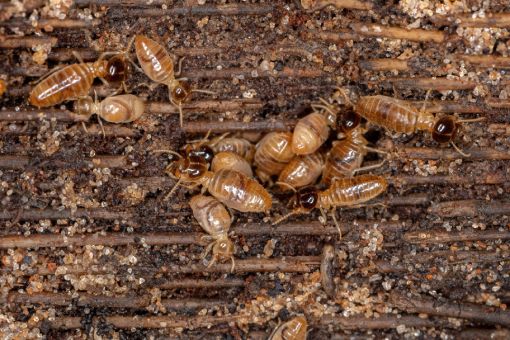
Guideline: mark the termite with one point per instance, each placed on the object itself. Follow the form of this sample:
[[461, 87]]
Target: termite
[[301, 171], [398, 116], [237, 145], [346, 155], [230, 160], [159, 67], [123, 108], [344, 192], [214, 218], [272, 153], [294, 329], [74, 81], [312, 130], [234, 189]]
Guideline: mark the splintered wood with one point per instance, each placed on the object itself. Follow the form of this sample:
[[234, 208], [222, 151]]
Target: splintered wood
[[90, 249]]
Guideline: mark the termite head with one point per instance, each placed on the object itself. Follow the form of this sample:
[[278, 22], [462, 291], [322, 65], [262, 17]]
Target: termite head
[[117, 69], [306, 199], [190, 168], [202, 151], [84, 106], [445, 129], [348, 121], [180, 91], [223, 249]]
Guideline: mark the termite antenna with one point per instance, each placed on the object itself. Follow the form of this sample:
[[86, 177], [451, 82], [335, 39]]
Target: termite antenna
[[284, 217], [460, 151], [218, 139], [472, 120], [233, 263], [167, 150], [204, 91], [342, 91], [213, 260], [173, 190], [286, 185]]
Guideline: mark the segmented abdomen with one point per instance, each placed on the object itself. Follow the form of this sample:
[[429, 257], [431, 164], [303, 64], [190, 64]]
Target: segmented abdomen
[[239, 192], [212, 216], [154, 59], [72, 81], [302, 170], [240, 146], [393, 114], [232, 161], [352, 191], [273, 152], [344, 157], [122, 109], [310, 133]]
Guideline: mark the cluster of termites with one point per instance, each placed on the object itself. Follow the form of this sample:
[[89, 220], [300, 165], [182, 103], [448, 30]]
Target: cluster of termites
[[73, 82], [237, 173], [234, 173]]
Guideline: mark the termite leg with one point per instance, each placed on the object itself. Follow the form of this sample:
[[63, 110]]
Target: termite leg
[[333, 215], [368, 167]]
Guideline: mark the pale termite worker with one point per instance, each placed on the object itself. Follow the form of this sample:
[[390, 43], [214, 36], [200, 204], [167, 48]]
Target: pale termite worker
[[294, 329], [214, 218], [272, 153]]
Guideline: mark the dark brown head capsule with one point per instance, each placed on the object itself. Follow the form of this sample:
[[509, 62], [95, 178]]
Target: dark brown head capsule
[[348, 121], [444, 130], [117, 69], [181, 92], [203, 151], [189, 168], [307, 198]]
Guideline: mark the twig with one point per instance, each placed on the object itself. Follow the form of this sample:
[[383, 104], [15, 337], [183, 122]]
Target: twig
[[335, 37], [440, 236], [499, 129], [384, 64], [234, 126], [223, 10], [499, 177], [486, 61], [469, 20], [446, 153], [460, 256], [414, 34], [48, 114], [207, 105], [129, 322], [200, 283], [470, 208], [52, 23], [26, 42], [107, 239], [483, 333], [229, 73], [161, 238], [436, 84], [417, 304], [315, 5], [382, 322], [101, 301], [105, 161]]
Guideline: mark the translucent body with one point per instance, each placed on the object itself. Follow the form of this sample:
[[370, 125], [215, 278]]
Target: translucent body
[[302, 171], [294, 329], [154, 60], [272, 153], [237, 191], [310, 133], [232, 161], [214, 218], [72, 81], [393, 114], [240, 146], [116, 109], [352, 191], [345, 156]]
